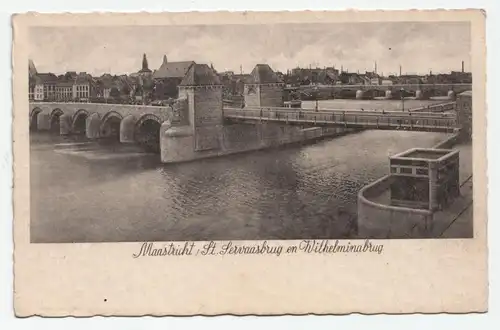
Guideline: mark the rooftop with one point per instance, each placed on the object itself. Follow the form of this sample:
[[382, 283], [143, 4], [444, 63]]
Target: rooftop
[[83, 78], [47, 77], [200, 75], [263, 74], [172, 69]]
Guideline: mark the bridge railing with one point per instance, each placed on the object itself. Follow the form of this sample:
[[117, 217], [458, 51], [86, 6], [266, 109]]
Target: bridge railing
[[336, 111], [436, 108], [351, 119]]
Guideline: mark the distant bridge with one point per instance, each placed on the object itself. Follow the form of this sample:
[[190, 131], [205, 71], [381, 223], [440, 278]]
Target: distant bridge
[[421, 91], [422, 121]]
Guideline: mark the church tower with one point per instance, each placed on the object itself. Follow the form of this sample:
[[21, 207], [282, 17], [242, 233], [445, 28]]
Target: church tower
[[145, 68]]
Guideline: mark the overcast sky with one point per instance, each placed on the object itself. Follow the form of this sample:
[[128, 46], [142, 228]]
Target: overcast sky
[[418, 47]]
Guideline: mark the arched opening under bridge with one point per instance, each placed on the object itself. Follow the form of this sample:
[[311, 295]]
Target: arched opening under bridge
[[147, 133], [110, 127], [79, 126], [34, 119], [55, 121]]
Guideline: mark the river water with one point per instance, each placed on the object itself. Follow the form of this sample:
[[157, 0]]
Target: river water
[[85, 192]]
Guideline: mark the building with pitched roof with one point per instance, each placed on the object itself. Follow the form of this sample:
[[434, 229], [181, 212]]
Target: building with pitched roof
[[264, 88], [168, 77], [84, 87], [48, 81], [64, 87], [104, 85]]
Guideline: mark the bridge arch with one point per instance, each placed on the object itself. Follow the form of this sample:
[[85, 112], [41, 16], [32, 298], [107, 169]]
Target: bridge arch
[[34, 118], [110, 125], [147, 132], [79, 122], [55, 120]]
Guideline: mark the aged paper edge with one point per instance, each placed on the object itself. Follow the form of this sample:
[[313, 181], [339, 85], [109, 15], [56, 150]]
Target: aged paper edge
[[412, 276]]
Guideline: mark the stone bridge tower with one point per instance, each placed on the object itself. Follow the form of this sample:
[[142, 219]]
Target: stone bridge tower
[[264, 89], [202, 89]]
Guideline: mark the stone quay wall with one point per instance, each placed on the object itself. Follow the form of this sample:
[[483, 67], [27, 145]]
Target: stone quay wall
[[178, 144]]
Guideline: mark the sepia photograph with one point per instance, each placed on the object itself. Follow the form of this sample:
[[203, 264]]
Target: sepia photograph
[[348, 130], [253, 163]]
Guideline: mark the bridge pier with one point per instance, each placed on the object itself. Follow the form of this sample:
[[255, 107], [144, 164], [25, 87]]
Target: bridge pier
[[451, 95], [127, 126], [65, 124], [421, 95], [93, 124]]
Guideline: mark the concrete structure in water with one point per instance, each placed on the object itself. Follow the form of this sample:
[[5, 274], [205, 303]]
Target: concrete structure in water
[[421, 186], [424, 178]]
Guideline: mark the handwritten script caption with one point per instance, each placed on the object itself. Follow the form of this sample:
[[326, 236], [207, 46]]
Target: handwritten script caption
[[221, 248]]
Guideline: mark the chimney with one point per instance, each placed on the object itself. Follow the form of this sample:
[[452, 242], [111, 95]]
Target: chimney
[[400, 70], [463, 67], [375, 66]]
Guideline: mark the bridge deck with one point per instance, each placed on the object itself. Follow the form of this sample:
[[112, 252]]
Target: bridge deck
[[436, 122]]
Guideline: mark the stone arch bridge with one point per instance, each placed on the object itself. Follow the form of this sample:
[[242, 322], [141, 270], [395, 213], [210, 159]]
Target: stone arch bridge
[[126, 123]]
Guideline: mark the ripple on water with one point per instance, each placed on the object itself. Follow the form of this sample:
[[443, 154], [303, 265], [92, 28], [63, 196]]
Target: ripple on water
[[289, 193]]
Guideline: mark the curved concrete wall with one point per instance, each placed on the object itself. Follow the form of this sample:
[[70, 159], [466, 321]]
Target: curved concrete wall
[[447, 143], [376, 220]]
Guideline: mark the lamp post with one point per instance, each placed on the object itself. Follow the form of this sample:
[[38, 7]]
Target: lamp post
[[402, 99]]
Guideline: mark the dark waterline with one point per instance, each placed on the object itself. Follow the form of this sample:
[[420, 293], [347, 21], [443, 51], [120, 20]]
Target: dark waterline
[[109, 192]]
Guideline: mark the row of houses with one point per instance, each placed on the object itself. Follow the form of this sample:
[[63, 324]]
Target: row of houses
[[143, 86], [146, 86]]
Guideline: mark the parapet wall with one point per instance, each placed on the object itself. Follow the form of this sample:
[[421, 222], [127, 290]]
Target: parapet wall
[[448, 143], [380, 220]]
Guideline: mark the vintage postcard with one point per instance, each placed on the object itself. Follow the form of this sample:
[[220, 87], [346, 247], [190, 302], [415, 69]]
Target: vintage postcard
[[250, 163]]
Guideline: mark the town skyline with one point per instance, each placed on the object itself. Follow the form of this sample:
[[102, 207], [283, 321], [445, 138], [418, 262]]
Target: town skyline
[[353, 46]]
